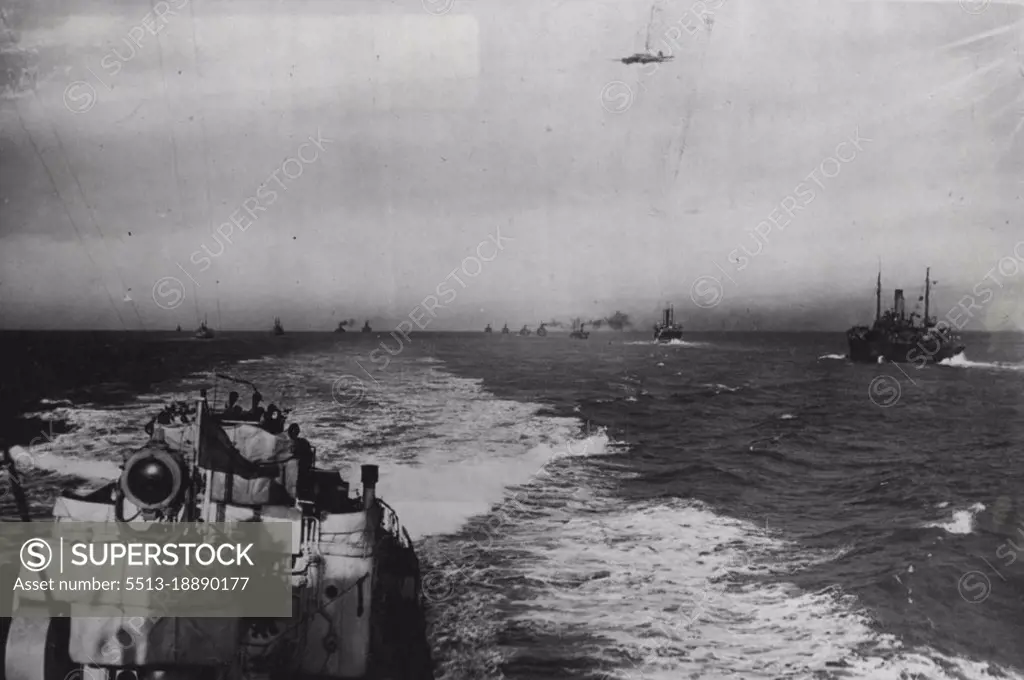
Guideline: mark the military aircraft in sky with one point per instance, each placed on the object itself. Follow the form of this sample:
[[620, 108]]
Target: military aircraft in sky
[[646, 58]]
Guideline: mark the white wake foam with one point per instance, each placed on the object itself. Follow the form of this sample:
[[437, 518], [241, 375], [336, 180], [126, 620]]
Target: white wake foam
[[662, 587], [962, 521], [961, 361], [670, 343], [446, 448]]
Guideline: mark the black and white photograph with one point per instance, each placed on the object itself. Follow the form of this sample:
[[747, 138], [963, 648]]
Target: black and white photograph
[[492, 340]]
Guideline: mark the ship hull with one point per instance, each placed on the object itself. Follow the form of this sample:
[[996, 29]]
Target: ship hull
[[870, 347], [668, 334]]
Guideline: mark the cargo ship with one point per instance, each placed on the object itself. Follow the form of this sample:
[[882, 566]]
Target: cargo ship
[[278, 328], [542, 330], [366, 327], [504, 329], [204, 332], [579, 331], [668, 330], [898, 337], [488, 329]]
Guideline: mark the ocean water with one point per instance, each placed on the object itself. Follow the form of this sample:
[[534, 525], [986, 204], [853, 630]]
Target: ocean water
[[744, 505]]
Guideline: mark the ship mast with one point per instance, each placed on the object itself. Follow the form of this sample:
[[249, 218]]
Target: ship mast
[[927, 293], [878, 294]]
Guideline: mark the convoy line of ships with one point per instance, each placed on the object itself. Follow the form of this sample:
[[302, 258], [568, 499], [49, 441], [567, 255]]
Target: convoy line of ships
[[894, 336]]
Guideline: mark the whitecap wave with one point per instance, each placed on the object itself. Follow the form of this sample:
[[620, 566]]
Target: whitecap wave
[[961, 361], [962, 521], [719, 387]]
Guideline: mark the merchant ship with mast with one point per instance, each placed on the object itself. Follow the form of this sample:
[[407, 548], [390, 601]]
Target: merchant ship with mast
[[356, 589], [579, 331], [897, 337], [204, 332], [668, 330]]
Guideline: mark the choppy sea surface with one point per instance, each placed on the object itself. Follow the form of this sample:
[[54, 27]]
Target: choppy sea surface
[[745, 505]]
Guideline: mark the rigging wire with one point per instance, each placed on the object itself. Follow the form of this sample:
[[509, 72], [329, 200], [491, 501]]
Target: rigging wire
[[174, 153], [56, 190], [67, 213], [91, 211], [709, 25], [92, 218], [202, 128]]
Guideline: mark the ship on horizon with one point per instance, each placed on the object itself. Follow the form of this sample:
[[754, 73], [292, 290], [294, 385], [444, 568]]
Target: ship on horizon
[[541, 330], [668, 330], [278, 328], [488, 329], [897, 337], [366, 327], [504, 329], [204, 332], [579, 331], [524, 331]]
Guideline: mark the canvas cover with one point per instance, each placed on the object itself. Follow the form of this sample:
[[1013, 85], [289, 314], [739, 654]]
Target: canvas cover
[[253, 442], [258, 445], [277, 490], [250, 466]]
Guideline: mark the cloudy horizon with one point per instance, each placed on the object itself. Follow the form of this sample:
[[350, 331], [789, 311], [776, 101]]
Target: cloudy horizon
[[164, 161]]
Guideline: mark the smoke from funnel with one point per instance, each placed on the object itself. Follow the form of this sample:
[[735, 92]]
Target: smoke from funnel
[[554, 323], [618, 321]]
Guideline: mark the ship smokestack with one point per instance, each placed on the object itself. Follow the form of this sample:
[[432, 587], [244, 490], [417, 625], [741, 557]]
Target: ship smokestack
[[878, 293], [897, 303], [369, 476], [668, 317]]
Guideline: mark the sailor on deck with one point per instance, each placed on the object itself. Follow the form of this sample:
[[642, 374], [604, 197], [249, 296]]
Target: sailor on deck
[[232, 411], [273, 420], [256, 412], [303, 451]]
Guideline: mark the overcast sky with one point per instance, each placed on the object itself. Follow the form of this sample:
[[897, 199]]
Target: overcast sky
[[613, 186]]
